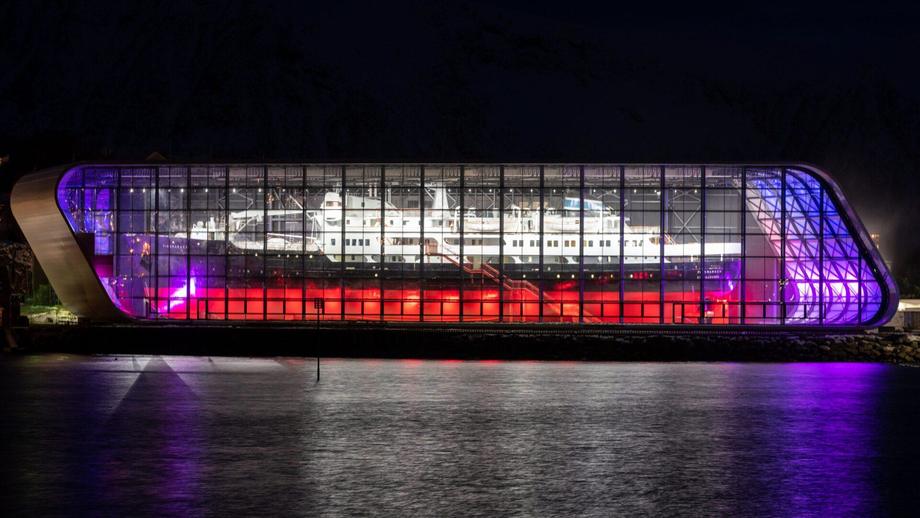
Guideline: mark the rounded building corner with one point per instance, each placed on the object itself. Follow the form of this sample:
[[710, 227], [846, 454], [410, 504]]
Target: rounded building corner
[[35, 205], [879, 269]]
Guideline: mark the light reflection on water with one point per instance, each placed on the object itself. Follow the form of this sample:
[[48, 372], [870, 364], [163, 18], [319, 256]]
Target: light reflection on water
[[173, 435]]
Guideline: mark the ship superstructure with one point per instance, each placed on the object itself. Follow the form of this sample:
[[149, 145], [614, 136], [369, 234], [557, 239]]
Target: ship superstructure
[[399, 233]]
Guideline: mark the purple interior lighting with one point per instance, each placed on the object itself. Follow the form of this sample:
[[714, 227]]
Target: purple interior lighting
[[826, 275], [821, 260]]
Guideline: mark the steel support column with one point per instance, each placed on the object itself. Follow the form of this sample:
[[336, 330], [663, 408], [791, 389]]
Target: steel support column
[[421, 244], [265, 231], [383, 235], [661, 228], [743, 225], [501, 243], [702, 318], [188, 242], [156, 239], [622, 264], [782, 264], [542, 239], [460, 259], [342, 281], [303, 243], [821, 255], [226, 250], [115, 226], [581, 243]]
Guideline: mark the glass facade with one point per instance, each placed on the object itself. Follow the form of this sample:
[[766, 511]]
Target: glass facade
[[594, 244]]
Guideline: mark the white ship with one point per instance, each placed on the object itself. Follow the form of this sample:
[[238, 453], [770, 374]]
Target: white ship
[[397, 233]]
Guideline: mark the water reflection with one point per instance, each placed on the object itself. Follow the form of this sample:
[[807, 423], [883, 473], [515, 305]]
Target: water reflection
[[173, 435], [151, 448], [807, 446]]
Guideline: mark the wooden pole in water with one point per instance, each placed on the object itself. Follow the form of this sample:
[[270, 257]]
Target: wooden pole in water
[[319, 305]]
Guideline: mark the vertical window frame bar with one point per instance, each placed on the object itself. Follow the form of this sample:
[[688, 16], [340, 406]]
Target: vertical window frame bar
[[383, 235], [821, 255], [661, 223], [156, 239], [622, 264], [743, 216], [702, 303], [461, 212], [540, 280], [342, 256], [227, 243], [501, 243], [581, 244], [782, 265], [264, 241], [421, 244], [188, 243]]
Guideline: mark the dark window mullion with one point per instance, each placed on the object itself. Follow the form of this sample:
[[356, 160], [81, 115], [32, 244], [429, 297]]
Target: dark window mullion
[[342, 256], [702, 318], [622, 264], [501, 243], [264, 242], [661, 224], [743, 216], [581, 243], [782, 233], [821, 255], [540, 280], [460, 223], [303, 244], [188, 242], [115, 226], [382, 260], [421, 244], [227, 244], [156, 241]]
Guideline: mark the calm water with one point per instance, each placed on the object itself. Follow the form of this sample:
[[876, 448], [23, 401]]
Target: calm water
[[179, 435]]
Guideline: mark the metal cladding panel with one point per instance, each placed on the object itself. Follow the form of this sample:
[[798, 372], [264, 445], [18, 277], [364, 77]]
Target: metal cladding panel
[[707, 245], [34, 205]]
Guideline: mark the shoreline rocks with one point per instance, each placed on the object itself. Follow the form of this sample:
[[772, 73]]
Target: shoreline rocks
[[478, 343]]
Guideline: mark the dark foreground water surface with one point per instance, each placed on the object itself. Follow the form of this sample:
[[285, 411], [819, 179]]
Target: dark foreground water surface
[[180, 435]]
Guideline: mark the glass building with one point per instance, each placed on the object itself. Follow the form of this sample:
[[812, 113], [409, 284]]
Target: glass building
[[701, 245]]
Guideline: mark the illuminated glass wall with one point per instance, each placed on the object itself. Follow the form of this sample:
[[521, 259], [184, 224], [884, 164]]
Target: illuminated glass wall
[[605, 244]]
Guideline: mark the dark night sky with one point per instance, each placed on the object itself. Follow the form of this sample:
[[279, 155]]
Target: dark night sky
[[477, 81]]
